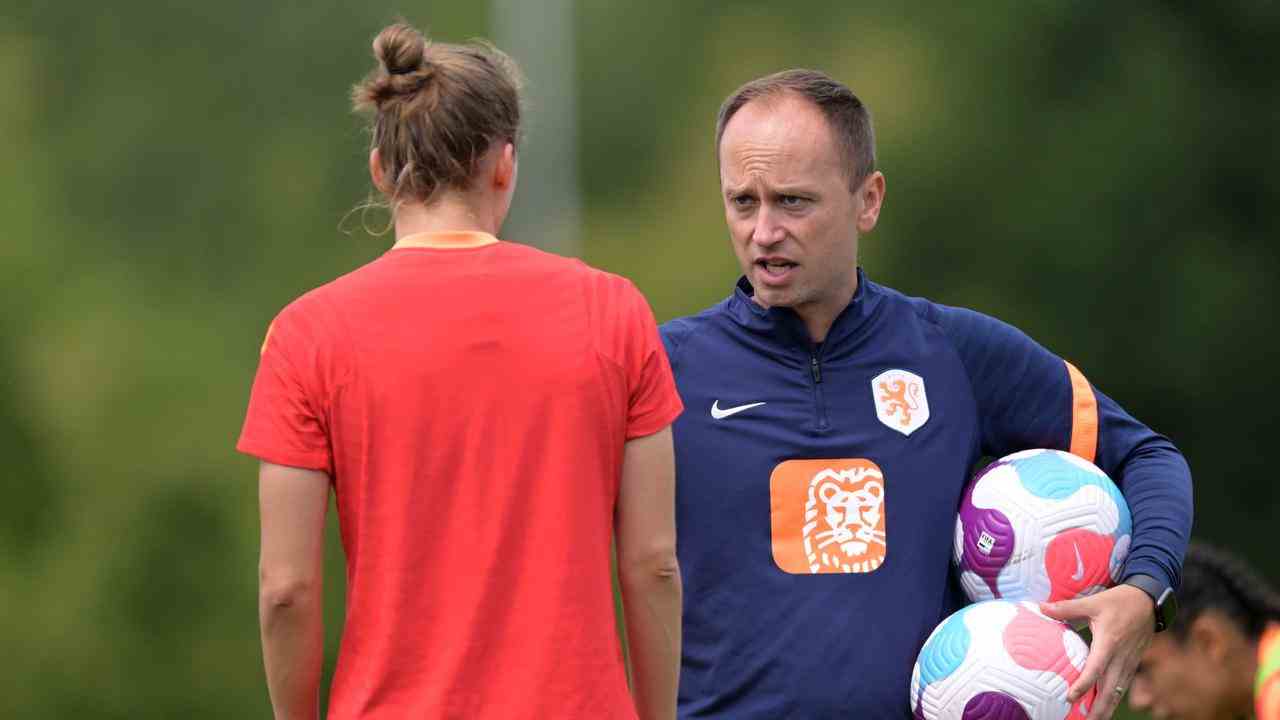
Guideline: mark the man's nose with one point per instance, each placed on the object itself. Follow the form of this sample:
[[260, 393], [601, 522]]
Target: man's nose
[[767, 231]]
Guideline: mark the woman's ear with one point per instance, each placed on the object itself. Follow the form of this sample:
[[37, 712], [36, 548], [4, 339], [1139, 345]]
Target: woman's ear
[[504, 171], [375, 171]]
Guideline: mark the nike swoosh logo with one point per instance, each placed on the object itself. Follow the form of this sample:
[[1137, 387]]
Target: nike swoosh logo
[[720, 414], [1079, 563]]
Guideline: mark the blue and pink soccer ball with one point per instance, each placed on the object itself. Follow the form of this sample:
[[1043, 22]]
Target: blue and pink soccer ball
[[1035, 526], [1041, 525], [999, 660]]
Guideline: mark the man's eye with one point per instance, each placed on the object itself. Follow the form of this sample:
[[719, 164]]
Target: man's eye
[[791, 201], [743, 200]]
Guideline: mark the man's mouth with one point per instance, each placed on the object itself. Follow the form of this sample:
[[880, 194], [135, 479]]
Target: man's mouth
[[775, 267]]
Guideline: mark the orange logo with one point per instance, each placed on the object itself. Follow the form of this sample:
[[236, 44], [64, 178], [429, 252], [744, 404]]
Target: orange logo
[[827, 516], [893, 393]]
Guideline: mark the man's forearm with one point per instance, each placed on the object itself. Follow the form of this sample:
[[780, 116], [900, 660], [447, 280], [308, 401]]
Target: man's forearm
[[293, 651], [652, 605], [1156, 483]]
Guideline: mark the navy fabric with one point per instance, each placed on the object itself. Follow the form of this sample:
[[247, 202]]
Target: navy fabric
[[762, 643]]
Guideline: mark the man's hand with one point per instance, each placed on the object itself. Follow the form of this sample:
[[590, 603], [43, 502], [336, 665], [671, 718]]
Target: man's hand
[[1122, 623]]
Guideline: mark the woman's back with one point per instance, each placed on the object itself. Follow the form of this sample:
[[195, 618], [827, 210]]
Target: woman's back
[[488, 417], [471, 405]]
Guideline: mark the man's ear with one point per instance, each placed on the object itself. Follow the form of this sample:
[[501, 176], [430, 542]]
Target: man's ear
[[870, 200], [375, 171], [504, 169]]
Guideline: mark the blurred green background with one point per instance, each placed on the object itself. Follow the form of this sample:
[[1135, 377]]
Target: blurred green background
[[1102, 175]]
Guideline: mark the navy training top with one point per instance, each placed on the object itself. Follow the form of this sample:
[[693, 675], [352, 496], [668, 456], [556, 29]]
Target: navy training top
[[792, 612]]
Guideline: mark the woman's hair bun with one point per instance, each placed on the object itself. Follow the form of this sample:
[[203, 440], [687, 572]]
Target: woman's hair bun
[[437, 109], [400, 48]]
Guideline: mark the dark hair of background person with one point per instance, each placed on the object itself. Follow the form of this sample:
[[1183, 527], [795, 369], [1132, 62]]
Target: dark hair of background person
[[437, 108], [1215, 580], [845, 113]]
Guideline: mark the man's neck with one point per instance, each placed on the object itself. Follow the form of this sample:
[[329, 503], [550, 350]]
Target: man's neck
[[819, 315]]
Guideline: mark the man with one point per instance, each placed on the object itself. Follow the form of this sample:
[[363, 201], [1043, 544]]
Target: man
[[831, 426], [1222, 658]]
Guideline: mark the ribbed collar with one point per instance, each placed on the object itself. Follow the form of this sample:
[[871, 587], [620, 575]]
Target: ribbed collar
[[446, 240], [786, 325]]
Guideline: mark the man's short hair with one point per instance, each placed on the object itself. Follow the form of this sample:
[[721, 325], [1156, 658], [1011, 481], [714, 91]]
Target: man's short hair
[[848, 118]]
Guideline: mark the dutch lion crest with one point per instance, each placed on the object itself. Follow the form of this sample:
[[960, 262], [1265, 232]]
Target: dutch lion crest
[[901, 402]]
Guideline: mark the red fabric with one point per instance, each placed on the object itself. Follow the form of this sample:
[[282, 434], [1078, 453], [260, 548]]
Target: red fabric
[[471, 406]]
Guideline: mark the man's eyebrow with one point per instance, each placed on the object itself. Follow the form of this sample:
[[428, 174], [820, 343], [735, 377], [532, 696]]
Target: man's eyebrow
[[798, 189]]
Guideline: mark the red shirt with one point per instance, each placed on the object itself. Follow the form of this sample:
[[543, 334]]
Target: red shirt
[[470, 405]]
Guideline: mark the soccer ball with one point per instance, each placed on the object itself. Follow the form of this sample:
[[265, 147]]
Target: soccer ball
[[1041, 525], [999, 660]]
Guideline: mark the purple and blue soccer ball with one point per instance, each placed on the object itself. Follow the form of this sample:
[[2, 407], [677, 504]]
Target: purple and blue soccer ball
[[1041, 525]]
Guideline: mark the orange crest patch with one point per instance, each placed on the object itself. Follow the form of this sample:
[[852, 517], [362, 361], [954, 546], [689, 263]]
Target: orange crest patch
[[827, 516]]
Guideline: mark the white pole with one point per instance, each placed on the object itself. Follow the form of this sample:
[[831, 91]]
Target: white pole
[[539, 35]]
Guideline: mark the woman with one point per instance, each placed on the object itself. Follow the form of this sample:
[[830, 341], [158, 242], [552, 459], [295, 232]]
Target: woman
[[1221, 659], [488, 416]]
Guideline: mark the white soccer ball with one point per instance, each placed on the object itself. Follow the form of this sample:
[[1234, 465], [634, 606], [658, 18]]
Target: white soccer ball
[[999, 660], [1041, 525]]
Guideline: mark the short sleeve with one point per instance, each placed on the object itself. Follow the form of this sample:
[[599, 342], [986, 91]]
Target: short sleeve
[[653, 402], [285, 422]]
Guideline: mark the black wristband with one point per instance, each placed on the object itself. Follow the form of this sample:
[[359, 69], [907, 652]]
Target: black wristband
[[1166, 604]]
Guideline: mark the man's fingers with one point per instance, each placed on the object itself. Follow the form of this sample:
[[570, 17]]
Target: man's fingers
[[1067, 610], [1104, 705], [1099, 658], [1119, 676], [1052, 609], [1108, 699], [1121, 630]]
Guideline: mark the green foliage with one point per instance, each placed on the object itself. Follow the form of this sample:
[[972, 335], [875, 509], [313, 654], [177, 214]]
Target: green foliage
[[175, 173]]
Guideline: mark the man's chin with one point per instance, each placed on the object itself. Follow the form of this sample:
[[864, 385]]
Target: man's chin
[[769, 297]]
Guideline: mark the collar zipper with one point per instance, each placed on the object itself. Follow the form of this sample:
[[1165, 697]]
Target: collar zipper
[[820, 403]]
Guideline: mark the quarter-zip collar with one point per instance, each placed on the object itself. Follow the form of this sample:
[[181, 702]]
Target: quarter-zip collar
[[784, 324]]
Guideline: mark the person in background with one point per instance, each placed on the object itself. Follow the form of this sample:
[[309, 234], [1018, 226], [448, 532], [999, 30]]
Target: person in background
[[833, 423], [1222, 658], [488, 416]]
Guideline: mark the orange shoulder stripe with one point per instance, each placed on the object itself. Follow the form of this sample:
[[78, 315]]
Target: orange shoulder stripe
[[1084, 415]]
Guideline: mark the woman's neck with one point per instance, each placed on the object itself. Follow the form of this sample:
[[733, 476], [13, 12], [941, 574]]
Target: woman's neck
[[449, 213]]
